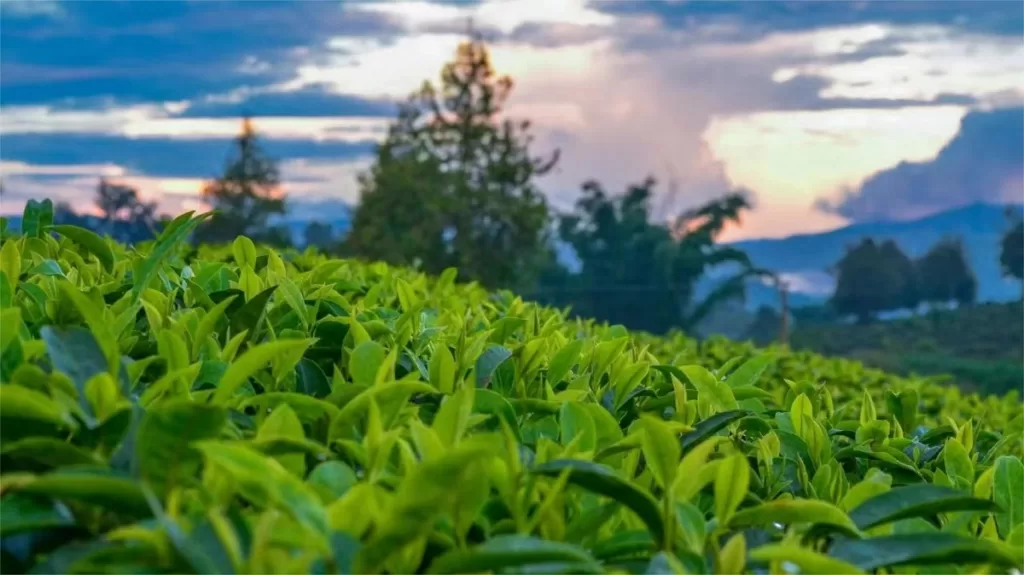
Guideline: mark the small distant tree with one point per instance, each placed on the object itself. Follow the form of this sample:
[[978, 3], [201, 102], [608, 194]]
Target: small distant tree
[[945, 274], [453, 183], [869, 280], [319, 235], [125, 216], [901, 268], [1011, 255], [246, 195]]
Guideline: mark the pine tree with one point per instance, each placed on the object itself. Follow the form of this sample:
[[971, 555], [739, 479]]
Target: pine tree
[[246, 195], [454, 183]]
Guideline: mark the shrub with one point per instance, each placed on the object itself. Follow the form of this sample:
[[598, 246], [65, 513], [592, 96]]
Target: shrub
[[239, 409]]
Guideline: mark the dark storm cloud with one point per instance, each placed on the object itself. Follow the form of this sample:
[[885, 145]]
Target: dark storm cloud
[[159, 157], [155, 51], [983, 163], [309, 101], [757, 18]]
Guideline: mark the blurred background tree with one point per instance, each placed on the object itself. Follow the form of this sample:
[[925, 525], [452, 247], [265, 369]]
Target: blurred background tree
[[245, 196], [640, 273], [945, 276], [1011, 253], [453, 183]]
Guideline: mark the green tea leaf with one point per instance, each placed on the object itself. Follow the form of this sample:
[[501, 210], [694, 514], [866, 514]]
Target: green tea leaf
[[750, 371], [661, 450], [264, 482], [511, 551], [366, 359], [163, 452], [174, 233], [920, 549], [252, 361], [795, 511], [488, 362], [442, 369], [95, 487], [920, 500], [92, 243], [731, 485], [603, 481], [809, 561], [709, 427], [20, 513], [564, 360], [709, 387], [1008, 492]]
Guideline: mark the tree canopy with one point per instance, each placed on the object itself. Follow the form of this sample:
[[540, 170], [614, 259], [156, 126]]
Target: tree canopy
[[453, 183], [639, 272], [945, 275], [245, 195], [1011, 253], [871, 278]]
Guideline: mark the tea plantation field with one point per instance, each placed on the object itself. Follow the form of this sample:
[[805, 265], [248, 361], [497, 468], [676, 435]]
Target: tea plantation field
[[240, 410]]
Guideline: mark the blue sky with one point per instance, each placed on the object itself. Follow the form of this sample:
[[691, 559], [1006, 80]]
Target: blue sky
[[827, 112]]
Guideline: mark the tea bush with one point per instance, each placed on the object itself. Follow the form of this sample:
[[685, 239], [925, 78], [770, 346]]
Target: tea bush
[[166, 409]]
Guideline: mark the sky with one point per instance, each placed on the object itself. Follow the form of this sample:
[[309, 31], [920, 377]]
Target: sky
[[825, 113]]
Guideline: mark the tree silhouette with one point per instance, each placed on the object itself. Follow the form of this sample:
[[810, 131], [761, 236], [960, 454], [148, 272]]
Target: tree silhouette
[[871, 278], [319, 235], [453, 182], [246, 195], [1011, 253], [640, 273], [945, 275], [124, 215]]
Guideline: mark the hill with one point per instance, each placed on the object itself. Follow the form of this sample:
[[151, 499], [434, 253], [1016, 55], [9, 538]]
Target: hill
[[807, 257]]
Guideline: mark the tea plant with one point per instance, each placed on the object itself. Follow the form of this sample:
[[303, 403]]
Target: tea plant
[[223, 410]]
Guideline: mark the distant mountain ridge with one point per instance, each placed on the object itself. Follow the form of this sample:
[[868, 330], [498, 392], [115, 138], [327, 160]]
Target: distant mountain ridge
[[806, 257]]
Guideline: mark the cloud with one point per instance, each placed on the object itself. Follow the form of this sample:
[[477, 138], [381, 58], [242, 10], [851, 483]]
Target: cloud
[[983, 163], [317, 189], [166, 50], [758, 19], [31, 9], [313, 100], [161, 156], [151, 120]]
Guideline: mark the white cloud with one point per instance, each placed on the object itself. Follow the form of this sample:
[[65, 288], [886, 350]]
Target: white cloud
[[153, 120], [30, 8], [504, 15], [9, 168], [935, 61]]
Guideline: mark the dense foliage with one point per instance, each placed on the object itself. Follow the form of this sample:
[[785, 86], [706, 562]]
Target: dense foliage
[[640, 272], [454, 181], [980, 346], [873, 277], [170, 409]]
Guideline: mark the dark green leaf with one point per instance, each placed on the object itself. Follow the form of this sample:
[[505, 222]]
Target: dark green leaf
[[510, 551], [312, 380], [249, 315], [93, 487], [709, 427], [20, 512], [603, 481], [162, 446], [90, 241], [920, 549], [919, 500], [489, 361]]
